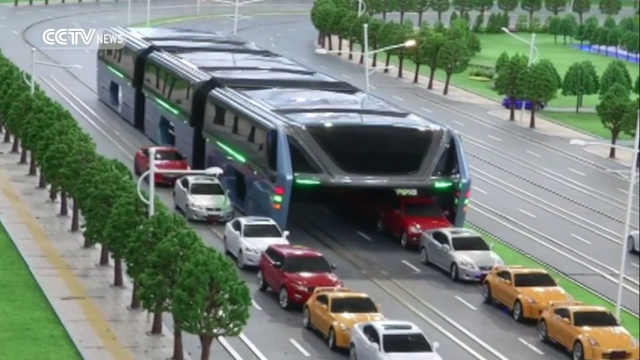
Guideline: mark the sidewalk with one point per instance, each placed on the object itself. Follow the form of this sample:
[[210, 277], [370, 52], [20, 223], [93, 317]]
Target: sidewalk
[[543, 125], [94, 313]]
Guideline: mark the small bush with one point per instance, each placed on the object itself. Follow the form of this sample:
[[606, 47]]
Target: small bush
[[484, 71]]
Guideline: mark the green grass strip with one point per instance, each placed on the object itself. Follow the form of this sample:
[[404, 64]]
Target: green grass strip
[[29, 328], [513, 256]]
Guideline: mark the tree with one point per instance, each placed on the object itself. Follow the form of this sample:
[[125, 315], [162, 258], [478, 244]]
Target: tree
[[614, 39], [615, 73], [581, 34], [508, 6], [336, 26], [552, 69], [531, 6], [568, 27], [440, 7], [540, 86], [431, 47], [403, 33], [636, 86], [463, 6], [616, 111], [509, 81], [581, 7], [555, 6], [209, 299], [555, 27], [599, 37], [375, 27], [421, 6], [453, 58], [580, 79], [610, 7], [503, 60], [416, 53], [387, 6], [483, 6], [387, 37], [610, 23], [404, 6], [347, 30], [321, 17]]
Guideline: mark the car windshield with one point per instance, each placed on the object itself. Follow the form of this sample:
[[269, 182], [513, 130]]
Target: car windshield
[[262, 231], [306, 264], [594, 319], [422, 210], [469, 243], [534, 280], [168, 155], [405, 343], [354, 305], [206, 189]]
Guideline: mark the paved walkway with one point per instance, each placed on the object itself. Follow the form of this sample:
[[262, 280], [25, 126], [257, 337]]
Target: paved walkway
[[458, 94], [93, 312]]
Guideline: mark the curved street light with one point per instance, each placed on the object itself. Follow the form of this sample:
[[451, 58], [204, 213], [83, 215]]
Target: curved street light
[[35, 62], [532, 60]]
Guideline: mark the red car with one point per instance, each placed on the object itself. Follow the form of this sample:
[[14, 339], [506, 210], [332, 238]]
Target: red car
[[409, 217], [167, 158], [294, 272]]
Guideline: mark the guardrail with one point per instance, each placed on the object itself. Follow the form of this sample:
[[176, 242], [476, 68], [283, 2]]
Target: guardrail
[[550, 267]]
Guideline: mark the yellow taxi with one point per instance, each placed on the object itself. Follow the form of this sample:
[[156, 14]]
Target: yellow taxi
[[334, 312], [526, 292], [588, 332]]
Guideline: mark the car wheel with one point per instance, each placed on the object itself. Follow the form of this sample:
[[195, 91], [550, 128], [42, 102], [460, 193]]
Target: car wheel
[[517, 311], [240, 260], [331, 340], [404, 240], [306, 318], [353, 355], [631, 246], [380, 225], [578, 351], [262, 285], [453, 272], [486, 293], [424, 256], [283, 298], [542, 331]]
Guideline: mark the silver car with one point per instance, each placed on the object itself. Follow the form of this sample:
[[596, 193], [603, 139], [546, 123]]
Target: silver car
[[632, 242], [461, 252], [202, 198]]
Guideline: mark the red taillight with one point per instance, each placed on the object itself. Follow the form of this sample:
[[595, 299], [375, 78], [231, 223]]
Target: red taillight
[[278, 190], [468, 194]]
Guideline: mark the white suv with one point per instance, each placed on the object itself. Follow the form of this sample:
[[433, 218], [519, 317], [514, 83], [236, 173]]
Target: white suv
[[202, 198], [391, 340], [246, 238]]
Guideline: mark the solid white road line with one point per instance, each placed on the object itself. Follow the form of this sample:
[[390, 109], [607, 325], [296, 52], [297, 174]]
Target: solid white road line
[[426, 110], [532, 153], [364, 235], [625, 192], [581, 239], [254, 349], [227, 347], [413, 267], [465, 303], [577, 172], [300, 348], [459, 123], [475, 188], [273, 45], [527, 213], [271, 39], [494, 138], [535, 349], [255, 305], [398, 98]]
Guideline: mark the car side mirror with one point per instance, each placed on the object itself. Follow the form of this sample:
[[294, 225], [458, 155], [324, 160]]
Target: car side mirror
[[285, 233], [436, 345], [277, 265], [334, 266], [566, 321], [446, 247], [508, 282]]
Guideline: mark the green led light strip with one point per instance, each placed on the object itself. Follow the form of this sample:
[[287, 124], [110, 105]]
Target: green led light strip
[[307, 182], [115, 71], [442, 184], [166, 106], [232, 152]]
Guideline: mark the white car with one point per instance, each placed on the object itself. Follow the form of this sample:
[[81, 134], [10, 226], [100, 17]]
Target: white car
[[632, 242], [246, 238], [391, 340], [202, 198]]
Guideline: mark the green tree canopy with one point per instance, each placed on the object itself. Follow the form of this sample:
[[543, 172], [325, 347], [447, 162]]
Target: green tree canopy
[[430, 49], [510, 80], [610, 7], [531, 6], [636, 86], [463, 6], [540, 85], [555, 27], [580, 79], [404, 6], [568, 27], [555, 6], [552, 69], [502, 61], [617, 112], [421, 6], [483, 6], [615, 73], [508, 5], [440, 7], [453, 58], [581, 7]]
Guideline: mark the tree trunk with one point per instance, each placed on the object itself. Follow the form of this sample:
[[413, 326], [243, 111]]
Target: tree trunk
[[532, 122], [350, 50], [205, 344], [104, 255], [330, 42], [33, 166], [420, 14], [16, 145], [1, 127], [439, 17], [156, 327], [87, 243], [614, 139], [400, 65], [401, 16], [53, 193], [361, 59], [135, 301], [339, 46], [64, 209], [432, 74], [42, 182], [416, 76], [75, 217], [7, 136], [578, 104], [386, 63], [374, 62], [118, 280], [178, 352], [320, 38], [384, 16], [24, 155], [446, 85], [580, 17], [512, 108]]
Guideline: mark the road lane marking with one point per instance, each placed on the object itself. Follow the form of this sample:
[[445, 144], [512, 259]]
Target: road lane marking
[[635, 265], [15, 32], [364, 235], [271, 39], [459, 123], [285, 52], [300, 348], [324, 67], [346, 76], [532, 153], [527, 213], [254, 349], [227, 347], [413, 267], [625, 192], [273, 45], [577, 172], [494, 138], [216, 233], [373, 87], [535, 349], [581, 239], [76, 24], [278, 34], [466, 303], [479, 190], [304, 60], [255, 305], [426, 110], [397, 98]]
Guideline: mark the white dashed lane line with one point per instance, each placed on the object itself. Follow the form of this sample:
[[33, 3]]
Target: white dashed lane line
[[494, 138], [577, 172], [535, 349], [532, 153], [411, 266], [635, 265], [346, 76], [527, 213], [466, 303], [300, 348], [459, 123], [426, 110], [475, 188], [398, 98], [364, 235], [580, 239]]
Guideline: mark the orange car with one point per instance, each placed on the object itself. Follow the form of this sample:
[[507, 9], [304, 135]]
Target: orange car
[[589, 332], [526, 292], [334, 312]]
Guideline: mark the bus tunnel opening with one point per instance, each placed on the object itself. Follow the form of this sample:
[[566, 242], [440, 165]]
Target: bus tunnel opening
[[115, 95], [396, 150], [167, 132]]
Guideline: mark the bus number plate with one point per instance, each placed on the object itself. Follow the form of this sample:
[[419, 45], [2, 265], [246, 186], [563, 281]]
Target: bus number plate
[[407, 192]]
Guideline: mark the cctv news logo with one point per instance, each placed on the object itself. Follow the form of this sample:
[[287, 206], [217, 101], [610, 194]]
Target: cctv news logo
[[74, 39]]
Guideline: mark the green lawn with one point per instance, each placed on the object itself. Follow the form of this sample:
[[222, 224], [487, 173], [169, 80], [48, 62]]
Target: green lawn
[[589, 122], [29, 328], [512, 257]]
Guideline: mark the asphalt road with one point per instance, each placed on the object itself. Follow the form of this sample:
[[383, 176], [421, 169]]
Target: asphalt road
[[451, 314]]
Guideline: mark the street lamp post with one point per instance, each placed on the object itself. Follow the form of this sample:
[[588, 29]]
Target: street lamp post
[[532, 48], [35, 62], [236, 10], [629, 211], [362, 7]]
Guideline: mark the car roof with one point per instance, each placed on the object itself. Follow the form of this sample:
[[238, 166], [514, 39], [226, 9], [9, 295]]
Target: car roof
[[345, 295], [526, 271], [395, 327], [163, 148], [255, 220], [289, 250], [578, 308], [202, 179], [457, 232]]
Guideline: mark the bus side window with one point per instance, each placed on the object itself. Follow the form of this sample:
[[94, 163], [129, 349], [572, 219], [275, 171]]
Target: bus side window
[[272, 150]]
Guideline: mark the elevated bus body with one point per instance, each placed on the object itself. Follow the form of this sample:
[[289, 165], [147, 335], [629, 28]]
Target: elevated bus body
[[274, 126]]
